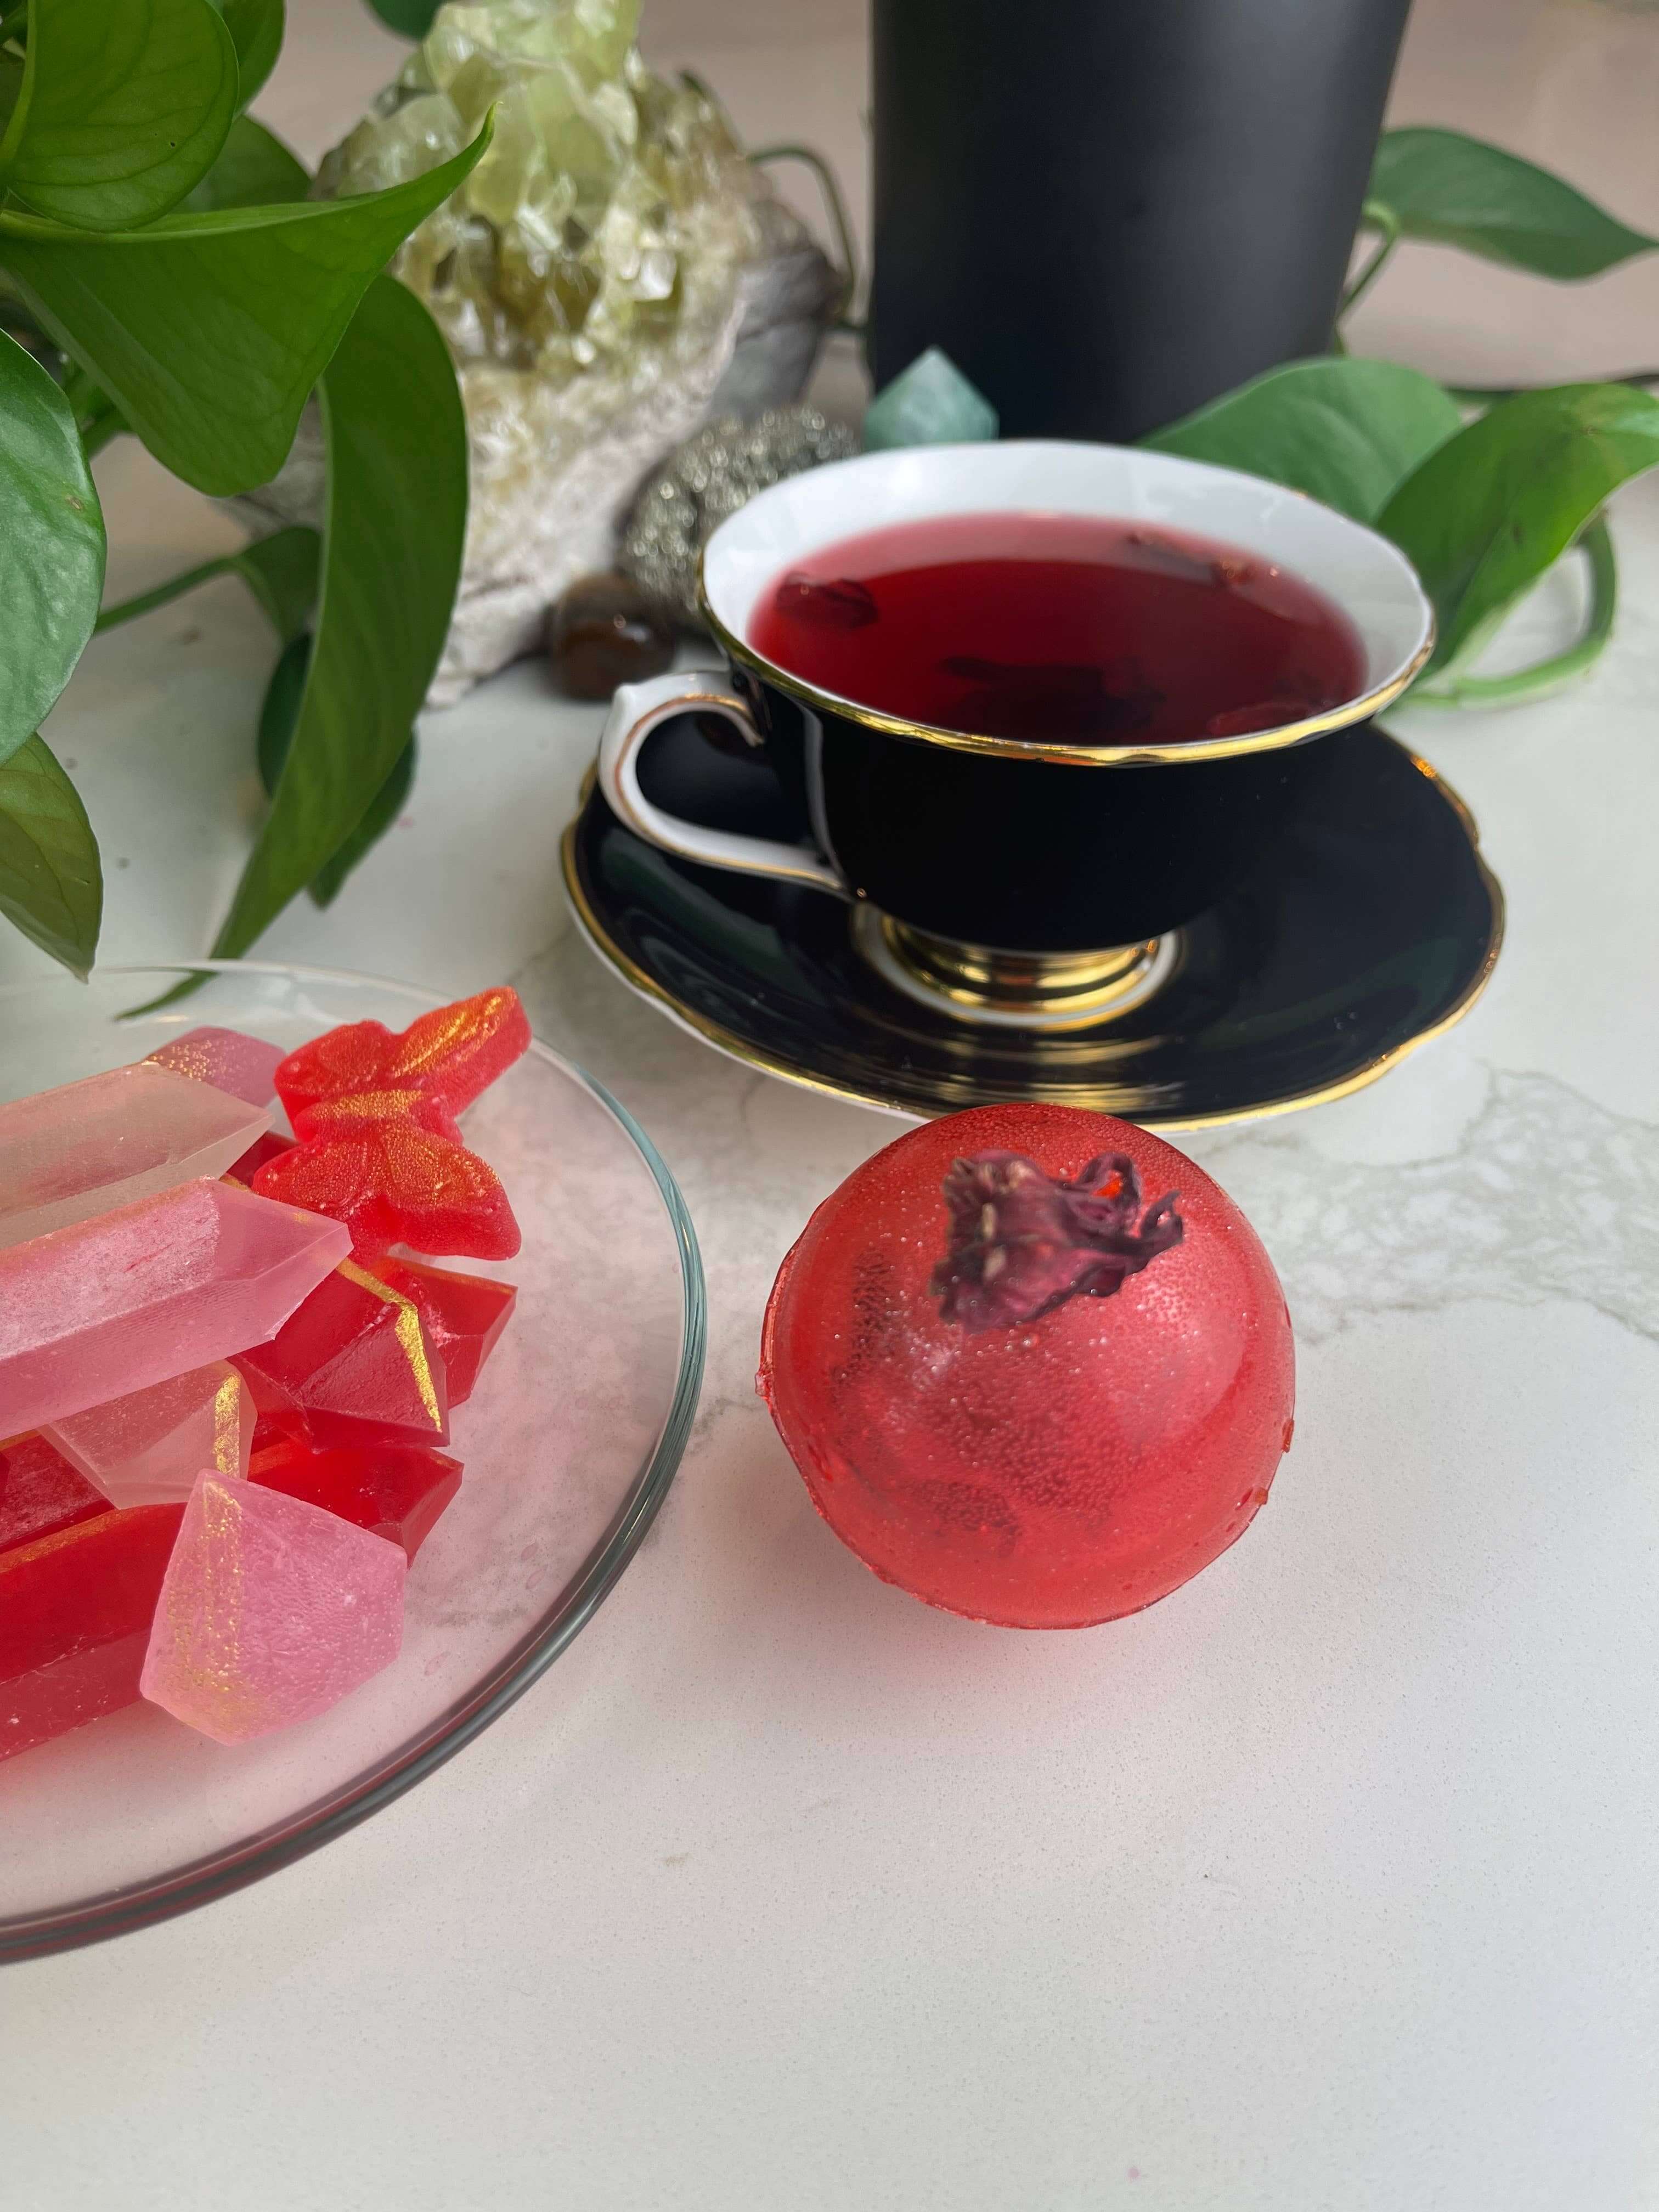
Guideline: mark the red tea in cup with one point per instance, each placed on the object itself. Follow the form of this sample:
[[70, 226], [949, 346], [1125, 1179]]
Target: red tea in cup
[[1046, 626]]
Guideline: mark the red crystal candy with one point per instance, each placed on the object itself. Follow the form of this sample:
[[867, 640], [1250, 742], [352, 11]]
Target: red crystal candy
[[275, 1429], [40, 1493], [271, 1147], [451, 1054], [392, 1490], [352, 1364], [465, 1315], [77, 1606], [76, 1610], [1014, 1389], [390, 1164]]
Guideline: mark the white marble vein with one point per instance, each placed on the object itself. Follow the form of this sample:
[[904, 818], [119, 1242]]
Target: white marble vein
[[1547, 1196]]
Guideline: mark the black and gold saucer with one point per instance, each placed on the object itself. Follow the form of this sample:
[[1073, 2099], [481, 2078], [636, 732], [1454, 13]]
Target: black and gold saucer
[[1369, 925]]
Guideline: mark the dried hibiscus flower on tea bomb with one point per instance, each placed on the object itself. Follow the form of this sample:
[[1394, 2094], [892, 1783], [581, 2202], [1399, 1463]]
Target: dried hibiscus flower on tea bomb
[[1018, 1388], [1021, 1241]]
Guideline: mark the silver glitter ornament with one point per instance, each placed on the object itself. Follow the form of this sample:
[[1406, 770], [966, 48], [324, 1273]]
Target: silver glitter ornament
[[711, 477]]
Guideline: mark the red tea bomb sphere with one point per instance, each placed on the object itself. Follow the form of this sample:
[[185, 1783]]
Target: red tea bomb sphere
[[1033, 1364]]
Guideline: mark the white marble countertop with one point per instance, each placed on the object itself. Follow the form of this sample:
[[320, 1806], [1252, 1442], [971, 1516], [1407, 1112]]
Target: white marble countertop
[[1328, 1882]]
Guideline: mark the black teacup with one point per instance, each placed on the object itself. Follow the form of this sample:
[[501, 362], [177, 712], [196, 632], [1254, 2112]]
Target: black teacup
[[1035, 878]]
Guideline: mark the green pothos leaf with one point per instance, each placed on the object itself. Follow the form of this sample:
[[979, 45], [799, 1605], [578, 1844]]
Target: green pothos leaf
[[52, 887], [254, 169], [281, 710], [210, 331], [256, 30], [384, 809], [277, 719], [1492, 509], [413, 18], [1345, 431], [281, 571], [121, 110], [392, 537], [1456, 191], [52, 544]]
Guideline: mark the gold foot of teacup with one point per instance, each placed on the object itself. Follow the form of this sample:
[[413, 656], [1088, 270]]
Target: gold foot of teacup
[[1013, 990]]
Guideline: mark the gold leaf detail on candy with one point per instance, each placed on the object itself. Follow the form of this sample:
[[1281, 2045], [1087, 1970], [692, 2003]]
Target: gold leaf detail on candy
[[227, 1425], [411, 1338]]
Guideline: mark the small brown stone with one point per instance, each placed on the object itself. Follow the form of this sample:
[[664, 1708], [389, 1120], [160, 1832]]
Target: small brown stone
[[604, 632]]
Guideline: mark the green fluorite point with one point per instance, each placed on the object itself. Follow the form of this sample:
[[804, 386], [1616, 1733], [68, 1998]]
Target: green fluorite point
[[932, 403]]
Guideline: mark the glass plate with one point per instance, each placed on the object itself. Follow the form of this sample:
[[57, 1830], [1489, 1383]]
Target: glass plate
[[570, 1443]]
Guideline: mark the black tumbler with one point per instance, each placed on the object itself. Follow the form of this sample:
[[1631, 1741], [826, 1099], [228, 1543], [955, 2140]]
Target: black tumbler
[[1109, 211]]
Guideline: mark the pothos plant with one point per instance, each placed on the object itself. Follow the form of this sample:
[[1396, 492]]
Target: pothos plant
[[1483, 507], [163, 272]]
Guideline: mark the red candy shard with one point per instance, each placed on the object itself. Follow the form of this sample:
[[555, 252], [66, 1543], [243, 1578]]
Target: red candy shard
[[463, 1315], [1015, 1388], [393, 1490], [41, 1492], [271, 1147], [451, 1054], [76, 1605], [390, 1164], [353, 1365], [76, 1610]]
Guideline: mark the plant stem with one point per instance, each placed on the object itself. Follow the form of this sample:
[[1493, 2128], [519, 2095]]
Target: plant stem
[[184, 988], [127, 610], [833, 202], [107, 426], [78, 387], [1380, 217], [1545, 676], [96, 414]]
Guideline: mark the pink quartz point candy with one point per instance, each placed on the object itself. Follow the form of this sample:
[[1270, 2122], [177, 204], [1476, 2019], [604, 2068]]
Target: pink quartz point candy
[[242, 1066], [148, 1448], [108, 1307], [271, 1610], [68, 1154]]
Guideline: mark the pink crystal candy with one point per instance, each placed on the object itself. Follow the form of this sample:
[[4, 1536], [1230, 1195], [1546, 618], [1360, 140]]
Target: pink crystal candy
[[270, 1611], [243, 1067], [68, 1154], [148, 1448], [107, 1307]]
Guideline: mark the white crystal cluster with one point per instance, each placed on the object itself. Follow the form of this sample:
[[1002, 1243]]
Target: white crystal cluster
[[586, 277], [610, 215]]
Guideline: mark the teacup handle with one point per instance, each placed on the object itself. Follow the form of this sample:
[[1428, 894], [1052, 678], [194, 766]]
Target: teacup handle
[[636, 710]]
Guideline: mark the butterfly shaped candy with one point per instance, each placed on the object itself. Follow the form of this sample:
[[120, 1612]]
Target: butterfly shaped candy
[[391, 1165], [450, 1055]]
